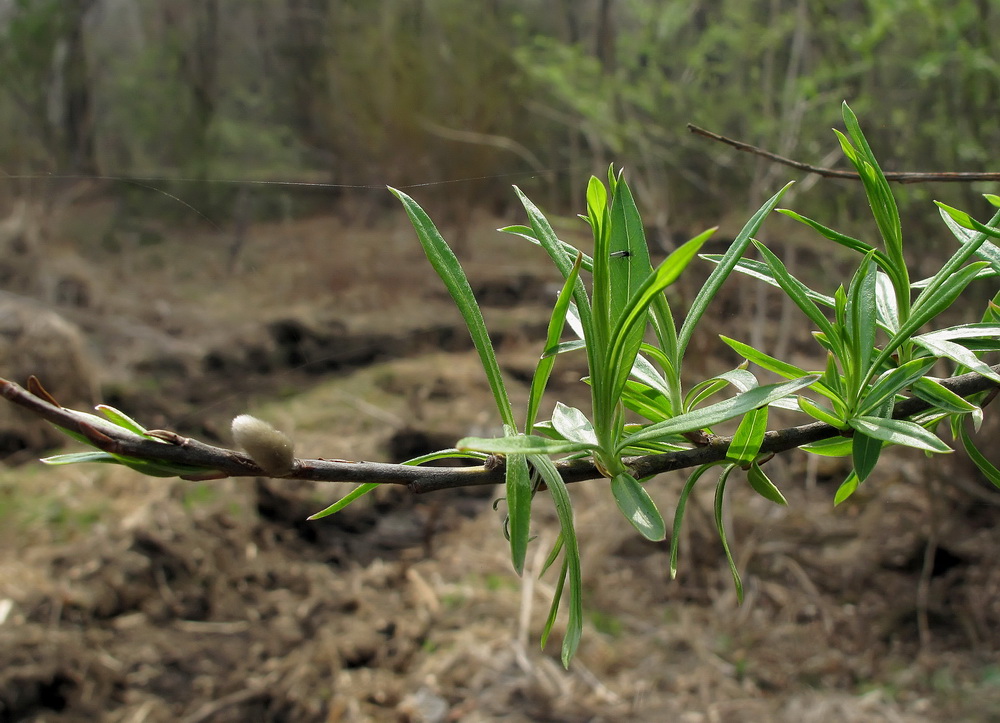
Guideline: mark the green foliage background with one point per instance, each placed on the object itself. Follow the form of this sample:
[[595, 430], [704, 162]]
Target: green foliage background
[[411, 92]]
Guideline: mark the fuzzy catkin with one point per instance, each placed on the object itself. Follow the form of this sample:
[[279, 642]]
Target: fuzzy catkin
[[272, 450]]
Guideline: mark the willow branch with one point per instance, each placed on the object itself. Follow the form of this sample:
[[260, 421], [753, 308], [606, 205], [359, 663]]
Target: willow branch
[[898, 176], [219, 462]]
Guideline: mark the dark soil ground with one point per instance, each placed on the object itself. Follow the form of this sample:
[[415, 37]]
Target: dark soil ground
[[125, 598]]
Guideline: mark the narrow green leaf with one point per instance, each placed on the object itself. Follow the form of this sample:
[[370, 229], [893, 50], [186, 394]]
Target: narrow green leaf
[[957, 353], [543, 369], [749, 437], [675, 535], [358, 492], [862, 313], [123, 420], [762, 272], [847, 488], [894, 381], [832, 447], [867, 448], [770, 363], [522, 444], [561, 257], [623, 348], [573, 425], [78, 457], [743, 380], [564, 511], [518, 491], [985, 466], [648, 402], [643, 371], [846, 241], [570, 251], [719, 412], [877, 189], [796, 291], [630, 265], [941, 397], [447, 266], [926, 307], [965, 331], [550, 621], [898, 431], [638, 507], [820, 413], [553, 555], [865, 452], [763, 486], [885, 303], [721, 273], [627, 271], [720, 490]]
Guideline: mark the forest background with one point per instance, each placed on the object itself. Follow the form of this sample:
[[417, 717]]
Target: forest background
[[361, 93], [209, 177]]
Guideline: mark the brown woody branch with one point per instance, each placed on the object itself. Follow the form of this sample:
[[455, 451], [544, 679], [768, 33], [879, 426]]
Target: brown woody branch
[[898, 176], [219, 462]]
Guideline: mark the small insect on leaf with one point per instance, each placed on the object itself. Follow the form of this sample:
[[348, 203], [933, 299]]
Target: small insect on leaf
[[624, 254]]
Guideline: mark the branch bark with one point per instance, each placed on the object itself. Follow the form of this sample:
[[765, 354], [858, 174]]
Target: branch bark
[[897, 176], [219, 462]]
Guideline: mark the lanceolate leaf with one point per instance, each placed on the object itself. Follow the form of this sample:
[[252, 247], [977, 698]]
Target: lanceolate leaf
[[762, 272], [573, 425], [623, 342], [764, 486], [867, 448], [784, 369], [865, 453], [446, 264], [564, 511], [749, 436], [847, 488], [675, 535], [941, 397], [560, 256], [522, 444], [722, 271], [862, 313], [819, 412], [720, 491], [899, 431], [894, 381], [927, 307], [797, 292], [715, 413], [543, 369], [638, 507], [985, 466], [955, 352], [518, 491]]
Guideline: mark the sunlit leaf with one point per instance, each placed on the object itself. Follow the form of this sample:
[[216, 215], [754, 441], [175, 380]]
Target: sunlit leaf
[[720, 490], [898, 431], [447, 266], [638, 507], [763, 486], [719, 412], [749, 437]]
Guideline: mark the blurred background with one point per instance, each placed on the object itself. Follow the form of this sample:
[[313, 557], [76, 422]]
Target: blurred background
[[490, 93], [194, 224]]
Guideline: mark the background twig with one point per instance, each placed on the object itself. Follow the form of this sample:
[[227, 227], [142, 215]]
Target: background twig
[[898, 176]]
